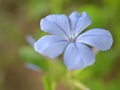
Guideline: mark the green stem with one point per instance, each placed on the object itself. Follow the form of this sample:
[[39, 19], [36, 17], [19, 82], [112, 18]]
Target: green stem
[[75, 83]]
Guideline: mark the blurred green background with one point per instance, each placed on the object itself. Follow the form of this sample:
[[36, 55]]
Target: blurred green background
[[19, 18]]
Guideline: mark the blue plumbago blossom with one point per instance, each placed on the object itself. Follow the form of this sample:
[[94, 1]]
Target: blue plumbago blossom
[[66, 36]]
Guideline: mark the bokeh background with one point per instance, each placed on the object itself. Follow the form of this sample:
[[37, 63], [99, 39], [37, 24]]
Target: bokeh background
[[19, 18]]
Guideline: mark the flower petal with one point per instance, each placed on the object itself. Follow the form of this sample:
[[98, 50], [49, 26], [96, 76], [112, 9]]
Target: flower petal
[[79, 21], [56, 24], [77, 56], [99, 38], [50, 45]]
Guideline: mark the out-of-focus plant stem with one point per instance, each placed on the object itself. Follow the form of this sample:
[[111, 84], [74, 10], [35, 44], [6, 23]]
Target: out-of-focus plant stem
[[74, 83]]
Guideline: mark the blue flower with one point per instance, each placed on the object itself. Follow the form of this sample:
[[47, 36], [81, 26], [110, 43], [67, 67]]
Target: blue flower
[[66, 35]]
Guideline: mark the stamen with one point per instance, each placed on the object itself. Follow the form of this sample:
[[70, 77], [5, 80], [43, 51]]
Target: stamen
[[73, 37]]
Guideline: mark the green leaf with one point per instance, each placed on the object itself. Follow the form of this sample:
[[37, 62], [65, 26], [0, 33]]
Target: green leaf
[[29, 55]]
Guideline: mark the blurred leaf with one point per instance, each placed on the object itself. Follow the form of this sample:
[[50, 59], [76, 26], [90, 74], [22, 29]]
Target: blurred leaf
[[30, 56]]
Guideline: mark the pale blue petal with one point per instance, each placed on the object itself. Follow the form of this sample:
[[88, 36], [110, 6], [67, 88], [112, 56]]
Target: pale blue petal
[[78, 55], [57, 25], [73, 19], [79, 22], [99, 38], [50, 46]]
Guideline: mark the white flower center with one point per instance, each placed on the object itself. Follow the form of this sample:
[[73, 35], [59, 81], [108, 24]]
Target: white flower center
[[73, 37]]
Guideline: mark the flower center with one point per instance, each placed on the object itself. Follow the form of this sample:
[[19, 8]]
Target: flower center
[[73, 38]]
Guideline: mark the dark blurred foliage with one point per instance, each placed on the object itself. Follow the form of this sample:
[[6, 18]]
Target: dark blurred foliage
[[19, 18]]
